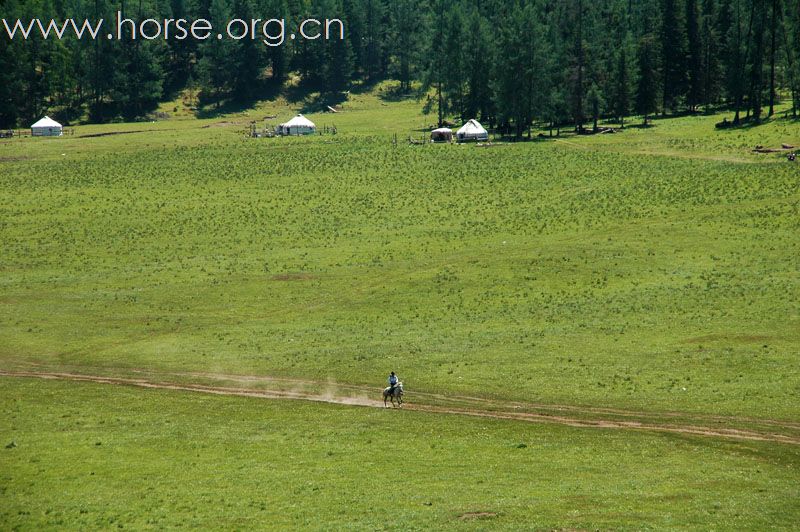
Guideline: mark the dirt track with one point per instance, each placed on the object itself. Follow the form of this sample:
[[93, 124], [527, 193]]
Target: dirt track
[[739, 428]]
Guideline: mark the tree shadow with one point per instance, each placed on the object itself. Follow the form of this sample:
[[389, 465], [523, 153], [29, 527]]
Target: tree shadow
[[743, 124], [299, 92], [748, 122], [231, 104], [365, 86], [171, 93], [323, 102], [223, 107], [649, 125], [395, 93], [786, 117]]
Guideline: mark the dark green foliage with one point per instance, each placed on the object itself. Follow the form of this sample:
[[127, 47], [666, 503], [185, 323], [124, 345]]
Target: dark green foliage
[[647, 87], [577, 77], [218, 56], [673, 54], [407, 30], [338, 68], [518, 79], [621, 95], [11, 85], [511, 63], [791, 27], [477, 66], [756, 46], [711, 60], [694, 95]]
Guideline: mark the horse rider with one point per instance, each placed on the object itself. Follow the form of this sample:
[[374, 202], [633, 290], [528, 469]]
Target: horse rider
[[392, 382]]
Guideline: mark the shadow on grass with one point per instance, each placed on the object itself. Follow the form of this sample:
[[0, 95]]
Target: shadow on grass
[[233, 104], [748, 122], [649, 125], [320, 102], [299, 93], [778, 454], [787, 118], [312, 99], [364, 86], [395, 93]]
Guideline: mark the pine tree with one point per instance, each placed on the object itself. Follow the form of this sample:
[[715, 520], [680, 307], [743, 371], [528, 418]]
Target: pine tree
[[140, 88], [11, 85], [712, 66], [555, 100], [646, 89], [695, 94], [622, 85], [579, 67], [278, 55], [477, 66], [734, 57], [453, 68], [435, 60], [338, 67], [673, 54], [107, 68], [408, 29], [32, 64], [218, 57], [508, 86], [756, 44], [594, 97], [791, 30], [374, 45], [517, 89], [180, 53], [249, 57]]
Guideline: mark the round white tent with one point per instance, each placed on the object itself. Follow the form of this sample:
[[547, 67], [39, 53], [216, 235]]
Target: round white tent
[[298, 125], [472, 130], [46, 127]]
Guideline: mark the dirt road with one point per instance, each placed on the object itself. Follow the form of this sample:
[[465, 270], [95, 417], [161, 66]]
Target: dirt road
[[264, 387]]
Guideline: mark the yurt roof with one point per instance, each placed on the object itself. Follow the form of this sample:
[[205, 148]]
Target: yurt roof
[[472, 126], [299, 121], [46, 122], [443, 130]]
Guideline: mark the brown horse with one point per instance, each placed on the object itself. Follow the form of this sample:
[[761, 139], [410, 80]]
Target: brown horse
[[396, 394]]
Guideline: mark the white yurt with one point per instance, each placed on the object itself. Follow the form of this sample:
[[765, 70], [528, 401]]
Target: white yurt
[[472, 130], [46, 127], [442, 134], [298, 125]]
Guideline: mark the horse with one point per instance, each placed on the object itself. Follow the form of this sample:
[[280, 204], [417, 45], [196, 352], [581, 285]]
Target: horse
[[396, 394]]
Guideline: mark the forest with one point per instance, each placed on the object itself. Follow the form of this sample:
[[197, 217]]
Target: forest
[[511, 63]]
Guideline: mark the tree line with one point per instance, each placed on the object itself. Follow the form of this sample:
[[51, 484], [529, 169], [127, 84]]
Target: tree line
[[510, 63]]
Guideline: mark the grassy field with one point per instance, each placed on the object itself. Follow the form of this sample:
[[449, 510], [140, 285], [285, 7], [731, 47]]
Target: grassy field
[[654, 270], [94, 456]]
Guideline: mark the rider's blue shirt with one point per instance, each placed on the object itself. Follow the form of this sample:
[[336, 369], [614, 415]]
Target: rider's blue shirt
[[392, 380]]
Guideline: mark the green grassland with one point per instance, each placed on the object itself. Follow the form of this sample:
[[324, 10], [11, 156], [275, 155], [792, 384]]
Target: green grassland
[[579, 271], [655, 270], [93, 456]]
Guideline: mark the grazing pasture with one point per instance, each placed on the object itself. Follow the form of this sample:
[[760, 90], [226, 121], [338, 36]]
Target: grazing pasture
[[654, 270], [98, 456]]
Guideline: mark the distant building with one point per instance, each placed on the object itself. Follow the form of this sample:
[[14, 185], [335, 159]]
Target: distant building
[[443, 134], [46, 127], [298, 125], [472, 130]]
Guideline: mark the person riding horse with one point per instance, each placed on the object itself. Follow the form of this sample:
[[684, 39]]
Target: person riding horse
[[394, 391]]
